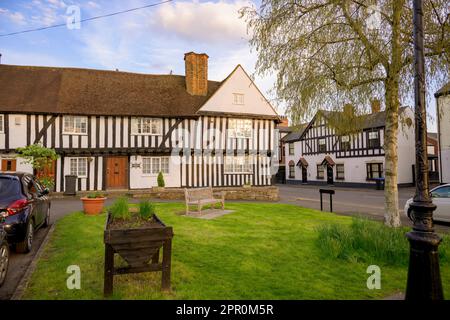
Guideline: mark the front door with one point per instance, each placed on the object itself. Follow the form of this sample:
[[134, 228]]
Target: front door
[[304, 175], [117, 173], [329, 174]]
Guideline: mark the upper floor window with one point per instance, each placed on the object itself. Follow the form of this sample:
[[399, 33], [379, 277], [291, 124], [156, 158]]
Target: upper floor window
[[1, 123], [345, 143], [291, 149], [238, 98], [239, 128], [374, 139], [148, 126], [238, 164], [322, 145], [155, 165], [75, 125], [78, 167]]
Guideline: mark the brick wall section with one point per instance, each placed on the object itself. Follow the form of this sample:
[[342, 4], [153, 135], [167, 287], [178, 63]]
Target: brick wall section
[[196, 71], [232, 193]]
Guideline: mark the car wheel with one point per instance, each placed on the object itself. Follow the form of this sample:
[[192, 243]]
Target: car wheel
[[47, 218], [25, 245], [4, 261]]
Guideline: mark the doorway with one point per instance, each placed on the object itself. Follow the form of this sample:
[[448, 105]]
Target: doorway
[[329, 174], [117, 172]]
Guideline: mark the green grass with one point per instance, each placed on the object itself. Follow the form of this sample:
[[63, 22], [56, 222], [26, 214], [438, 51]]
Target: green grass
[[261, 251]]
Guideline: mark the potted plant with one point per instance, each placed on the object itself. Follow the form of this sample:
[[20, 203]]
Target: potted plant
[[93, 203], [161, 183], [247, 184], [137, 236]]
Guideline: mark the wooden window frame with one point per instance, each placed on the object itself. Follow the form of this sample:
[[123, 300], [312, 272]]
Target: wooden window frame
[[319, 145], [78, 160], [230, 168], [291, 171], [291, 148], [318, 171], [373, 143], [338, 176], [238, 99], [137, 124], [153, 172], [370, 172], [67, 132], [2, 123]]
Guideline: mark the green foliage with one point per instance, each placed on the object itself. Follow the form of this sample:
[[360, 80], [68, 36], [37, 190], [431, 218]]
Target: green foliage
[[47, 182], [369, 242], [146, 209], [95, 195], [160, 179], [38, 156], [120, 209]]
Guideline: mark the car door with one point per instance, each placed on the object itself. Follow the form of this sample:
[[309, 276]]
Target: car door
[[37, 204], [441, 198]]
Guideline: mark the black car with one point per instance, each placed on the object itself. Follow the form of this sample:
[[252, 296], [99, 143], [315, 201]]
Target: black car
[[4, 255], [24, 207]]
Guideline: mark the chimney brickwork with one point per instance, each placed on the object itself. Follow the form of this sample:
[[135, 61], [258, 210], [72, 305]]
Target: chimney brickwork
[[375, 105], [196, 71]]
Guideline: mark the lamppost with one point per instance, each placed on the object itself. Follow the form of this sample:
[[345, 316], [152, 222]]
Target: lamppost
[[424, 279]]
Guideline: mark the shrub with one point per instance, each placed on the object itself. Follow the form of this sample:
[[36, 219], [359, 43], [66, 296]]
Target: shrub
[[95, 195], [160, 179], [369, 242], [146, 209], [120, 209]]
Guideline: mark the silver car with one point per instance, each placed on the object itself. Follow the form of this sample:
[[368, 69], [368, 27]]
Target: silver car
[[441, 198]]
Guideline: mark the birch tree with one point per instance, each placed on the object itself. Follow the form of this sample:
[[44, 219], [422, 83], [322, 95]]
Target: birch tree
[[327, 53]]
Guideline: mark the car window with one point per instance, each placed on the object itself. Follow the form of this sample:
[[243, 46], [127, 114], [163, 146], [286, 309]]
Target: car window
[[443, 192], [9, 187]]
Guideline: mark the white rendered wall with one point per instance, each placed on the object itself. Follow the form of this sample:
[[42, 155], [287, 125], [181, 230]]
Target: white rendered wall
[[139, 180], [443, 103]]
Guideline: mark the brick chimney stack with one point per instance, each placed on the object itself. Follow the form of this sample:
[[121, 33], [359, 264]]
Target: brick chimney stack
[[196, 71], [284, 121], [375, 105]]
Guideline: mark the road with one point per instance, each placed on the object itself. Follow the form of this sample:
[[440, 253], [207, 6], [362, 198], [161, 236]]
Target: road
[[349, 201]]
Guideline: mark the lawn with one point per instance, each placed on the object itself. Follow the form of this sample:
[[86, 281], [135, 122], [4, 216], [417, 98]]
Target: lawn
[[261, 251]]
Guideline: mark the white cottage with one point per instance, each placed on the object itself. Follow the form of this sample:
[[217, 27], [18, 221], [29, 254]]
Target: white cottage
[[118, 130], [318, 155]]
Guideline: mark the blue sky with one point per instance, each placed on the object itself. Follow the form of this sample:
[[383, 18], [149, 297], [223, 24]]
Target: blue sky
[[151, 40]]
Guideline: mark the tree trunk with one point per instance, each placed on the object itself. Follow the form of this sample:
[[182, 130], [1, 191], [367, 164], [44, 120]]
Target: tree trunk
[[391, 215]]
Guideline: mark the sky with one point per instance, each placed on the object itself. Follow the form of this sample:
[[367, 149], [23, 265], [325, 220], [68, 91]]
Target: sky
[[151, 40]]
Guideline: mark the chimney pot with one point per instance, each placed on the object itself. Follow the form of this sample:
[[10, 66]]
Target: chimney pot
[[375, 105], [196, 73]]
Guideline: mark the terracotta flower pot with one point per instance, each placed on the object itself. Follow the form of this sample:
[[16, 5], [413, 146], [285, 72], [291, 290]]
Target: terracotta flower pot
[[93, 206]]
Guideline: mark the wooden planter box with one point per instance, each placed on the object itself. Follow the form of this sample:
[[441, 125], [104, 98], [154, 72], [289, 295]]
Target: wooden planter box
[[139, 247]]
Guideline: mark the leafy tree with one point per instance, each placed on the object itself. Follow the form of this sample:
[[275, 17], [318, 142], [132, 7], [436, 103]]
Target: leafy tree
[[40, 158], [331, 52]]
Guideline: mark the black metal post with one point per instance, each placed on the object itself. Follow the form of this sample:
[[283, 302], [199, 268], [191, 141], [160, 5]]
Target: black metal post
[[424, 279]]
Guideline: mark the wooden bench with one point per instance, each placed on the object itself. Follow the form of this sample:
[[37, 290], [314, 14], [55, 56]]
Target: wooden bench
[[202, 197]]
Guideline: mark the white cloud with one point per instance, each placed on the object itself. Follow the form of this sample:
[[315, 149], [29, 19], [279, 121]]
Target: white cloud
[[206, 21], [93, 4], [15, 17]]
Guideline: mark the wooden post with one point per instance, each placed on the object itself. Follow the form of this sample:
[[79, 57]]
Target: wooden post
[[166, 262], [109, 267]]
